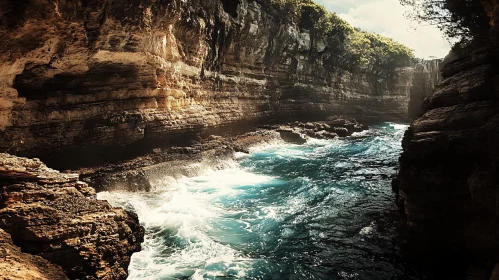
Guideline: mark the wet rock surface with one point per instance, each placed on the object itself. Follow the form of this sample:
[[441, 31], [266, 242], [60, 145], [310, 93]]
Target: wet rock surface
[[140, 173], [298, 132], [58, 218]]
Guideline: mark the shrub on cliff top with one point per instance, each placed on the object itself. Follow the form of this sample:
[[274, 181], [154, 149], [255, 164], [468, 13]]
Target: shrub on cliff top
[[315, 18], [355, 50], [375, 51], [378, 56], [311, 14]]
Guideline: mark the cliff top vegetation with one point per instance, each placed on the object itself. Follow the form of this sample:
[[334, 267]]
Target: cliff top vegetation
[[347, 48]]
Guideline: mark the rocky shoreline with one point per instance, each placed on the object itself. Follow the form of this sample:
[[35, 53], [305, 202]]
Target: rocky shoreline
[[57, 217], [140, 173]]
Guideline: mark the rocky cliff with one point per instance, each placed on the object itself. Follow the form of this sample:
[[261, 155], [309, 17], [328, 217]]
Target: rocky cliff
[[56, 217], [449, 176], [87, 76]]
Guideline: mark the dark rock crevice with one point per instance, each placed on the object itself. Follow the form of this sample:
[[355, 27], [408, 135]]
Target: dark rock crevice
[[230, 6], [102, 77], [13, 12]]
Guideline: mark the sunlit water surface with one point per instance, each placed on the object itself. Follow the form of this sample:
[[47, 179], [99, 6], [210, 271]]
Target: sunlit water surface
[[323, 210]]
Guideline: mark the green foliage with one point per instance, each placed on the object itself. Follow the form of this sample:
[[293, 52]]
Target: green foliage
[[347, 48], [377, 56], [333, 28], [378, 53], [287, 8], [311, 14], [464, 21]]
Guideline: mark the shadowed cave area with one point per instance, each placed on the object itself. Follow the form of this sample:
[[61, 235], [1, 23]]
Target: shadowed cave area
[[33, 84], [231, 7]]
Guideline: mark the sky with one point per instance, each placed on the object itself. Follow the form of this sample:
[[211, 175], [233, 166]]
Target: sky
[[386, 17]]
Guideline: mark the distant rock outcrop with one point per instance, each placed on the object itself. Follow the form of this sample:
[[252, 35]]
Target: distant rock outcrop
[[426, 76]]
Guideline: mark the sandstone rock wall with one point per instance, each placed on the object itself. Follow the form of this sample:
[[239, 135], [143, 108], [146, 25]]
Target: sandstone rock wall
[[449, 176], [93, 74]]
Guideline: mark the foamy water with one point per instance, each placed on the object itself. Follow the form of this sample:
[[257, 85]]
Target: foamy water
[[323, 210]]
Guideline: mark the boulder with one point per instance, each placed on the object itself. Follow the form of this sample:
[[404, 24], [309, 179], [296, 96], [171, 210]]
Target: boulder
[[57, 217]]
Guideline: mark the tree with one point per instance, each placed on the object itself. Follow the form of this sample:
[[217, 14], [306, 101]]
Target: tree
[[463, 21]]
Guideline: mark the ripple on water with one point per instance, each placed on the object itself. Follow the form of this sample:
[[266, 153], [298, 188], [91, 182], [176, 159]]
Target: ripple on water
[[323, 210]]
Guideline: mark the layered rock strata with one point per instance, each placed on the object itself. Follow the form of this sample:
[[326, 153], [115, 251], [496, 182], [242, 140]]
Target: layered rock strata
[[91, 76], [56, 217], [449, 174]]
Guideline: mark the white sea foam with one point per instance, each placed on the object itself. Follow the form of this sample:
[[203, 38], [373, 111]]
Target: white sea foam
[[177, 220], [197, 227], [367, 230], [399, 126]]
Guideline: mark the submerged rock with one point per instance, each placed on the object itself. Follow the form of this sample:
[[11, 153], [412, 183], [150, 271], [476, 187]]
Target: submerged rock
[[57, 217], [297, 132], [341, 131], [292, 136]]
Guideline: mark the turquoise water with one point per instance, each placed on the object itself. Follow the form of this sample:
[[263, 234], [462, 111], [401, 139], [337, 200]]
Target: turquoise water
[[323, 210]]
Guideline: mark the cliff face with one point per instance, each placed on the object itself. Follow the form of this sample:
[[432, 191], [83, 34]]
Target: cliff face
[[449, 176], [426, 75], [89, 74]]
